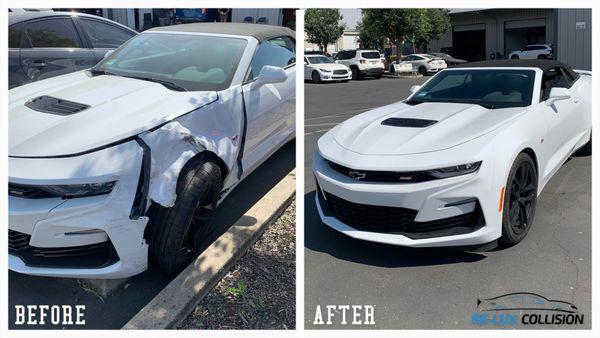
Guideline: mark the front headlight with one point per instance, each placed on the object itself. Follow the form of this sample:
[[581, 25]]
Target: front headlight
[[63, 191], [456, 170], [325, 70]]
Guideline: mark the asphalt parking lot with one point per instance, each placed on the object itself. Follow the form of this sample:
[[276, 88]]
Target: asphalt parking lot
[[439, 288], [117, 309]]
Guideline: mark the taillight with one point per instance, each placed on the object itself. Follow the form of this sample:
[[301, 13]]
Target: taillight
[[362, 61]]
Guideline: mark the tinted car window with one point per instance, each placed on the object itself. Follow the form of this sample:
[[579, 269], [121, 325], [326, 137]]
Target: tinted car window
[[277, 52], [341, 56], [489, 88], [555, 77], [370, 55], [58, 32], [103, 35], [14, 36]]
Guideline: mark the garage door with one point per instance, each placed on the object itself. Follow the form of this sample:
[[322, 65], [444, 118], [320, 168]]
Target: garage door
[[468, 42], [520, 33]]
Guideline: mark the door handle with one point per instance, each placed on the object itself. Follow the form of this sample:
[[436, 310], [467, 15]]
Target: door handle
[[38, 64], [576, 99]]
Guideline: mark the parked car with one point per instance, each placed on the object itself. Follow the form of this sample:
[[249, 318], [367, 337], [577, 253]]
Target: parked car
[[321, 68], [533, 52], [425, 63], [450, 61], [122, 164], [46, 44], [459, 162], [362, 62], [316, 52]]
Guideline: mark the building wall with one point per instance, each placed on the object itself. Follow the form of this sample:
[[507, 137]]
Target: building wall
[[574, 46], [494, 21]]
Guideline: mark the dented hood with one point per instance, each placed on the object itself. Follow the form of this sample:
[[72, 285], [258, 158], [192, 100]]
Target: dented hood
[[117, 108], [450, 124]]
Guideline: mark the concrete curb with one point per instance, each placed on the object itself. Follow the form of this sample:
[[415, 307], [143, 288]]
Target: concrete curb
[[172, 305]]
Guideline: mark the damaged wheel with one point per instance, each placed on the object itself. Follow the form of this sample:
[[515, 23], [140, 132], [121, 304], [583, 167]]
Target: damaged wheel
[[176, 233]]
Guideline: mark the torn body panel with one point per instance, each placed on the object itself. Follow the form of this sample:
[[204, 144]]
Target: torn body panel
[[216, 128]]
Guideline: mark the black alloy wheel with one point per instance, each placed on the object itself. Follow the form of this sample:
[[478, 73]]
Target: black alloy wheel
[[519, 200]]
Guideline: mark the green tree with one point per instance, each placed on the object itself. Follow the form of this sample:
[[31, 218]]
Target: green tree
[[418, 25], [323, 26], [369, 32]]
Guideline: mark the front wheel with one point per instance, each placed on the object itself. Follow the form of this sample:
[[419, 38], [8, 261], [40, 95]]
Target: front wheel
[[316, 78], [355, 74], [520, 197], [177, 233]]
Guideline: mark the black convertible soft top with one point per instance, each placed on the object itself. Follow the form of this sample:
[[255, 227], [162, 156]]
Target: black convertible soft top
[[544, 65], [259, 32]]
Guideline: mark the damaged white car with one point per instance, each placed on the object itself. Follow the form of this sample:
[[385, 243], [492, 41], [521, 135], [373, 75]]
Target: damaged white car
[[122, 165]]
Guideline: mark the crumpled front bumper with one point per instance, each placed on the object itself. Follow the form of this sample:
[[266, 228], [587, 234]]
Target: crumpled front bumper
[[64, 228]]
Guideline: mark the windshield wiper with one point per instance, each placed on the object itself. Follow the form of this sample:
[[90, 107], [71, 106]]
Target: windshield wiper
[[168, 84], [96, 71], [414, 102]]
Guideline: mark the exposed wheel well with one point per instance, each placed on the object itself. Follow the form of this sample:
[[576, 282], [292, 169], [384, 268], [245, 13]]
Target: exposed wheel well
[[205, 155], [531, 153]]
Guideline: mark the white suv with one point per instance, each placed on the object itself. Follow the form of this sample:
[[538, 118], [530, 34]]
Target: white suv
[[533, 52], [362, 62]]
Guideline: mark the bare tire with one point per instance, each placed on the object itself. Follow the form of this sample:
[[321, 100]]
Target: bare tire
[[176, 233], [520, 197], [355, 74], [316, 78]]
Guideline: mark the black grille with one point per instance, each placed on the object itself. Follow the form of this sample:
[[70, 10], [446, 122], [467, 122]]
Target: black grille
[[409, 123], [83, 256], [53, 105], [340, 72], [17, 241], [396, 220], [382, 176], [25, 191]]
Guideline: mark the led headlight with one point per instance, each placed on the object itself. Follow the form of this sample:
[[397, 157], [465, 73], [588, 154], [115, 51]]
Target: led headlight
[[456, 170], [78, 190], [325, 70]]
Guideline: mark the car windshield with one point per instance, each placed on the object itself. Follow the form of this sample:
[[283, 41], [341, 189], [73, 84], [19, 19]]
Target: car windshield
[[490, 88], [371, 55], [181, 62], [318, 59]]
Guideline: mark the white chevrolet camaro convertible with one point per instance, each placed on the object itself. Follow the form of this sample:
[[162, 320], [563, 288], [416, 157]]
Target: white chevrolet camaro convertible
[[459, 163], [123, 164]]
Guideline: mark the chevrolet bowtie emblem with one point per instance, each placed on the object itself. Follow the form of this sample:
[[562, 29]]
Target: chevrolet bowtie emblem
[[357, 175]]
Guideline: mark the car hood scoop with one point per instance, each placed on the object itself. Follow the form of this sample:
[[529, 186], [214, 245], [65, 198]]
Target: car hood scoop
[[409, 123], [53, 105], [402, 129]]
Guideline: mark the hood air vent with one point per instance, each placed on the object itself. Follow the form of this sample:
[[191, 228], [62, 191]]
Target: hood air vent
[[52, 105], [409, 123]]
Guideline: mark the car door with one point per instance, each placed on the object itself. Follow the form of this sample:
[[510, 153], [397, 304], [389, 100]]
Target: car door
[[103, 36], [52, 46], [562, 118], [270, 109]]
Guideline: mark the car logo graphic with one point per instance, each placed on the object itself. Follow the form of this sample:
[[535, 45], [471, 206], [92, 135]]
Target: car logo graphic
[[357, 175], [524, 301]]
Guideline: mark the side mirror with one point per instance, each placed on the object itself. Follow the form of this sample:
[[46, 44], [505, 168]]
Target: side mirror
[[557, 94], [414, 89], [107, 54], [269, 74], [305, 62]]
